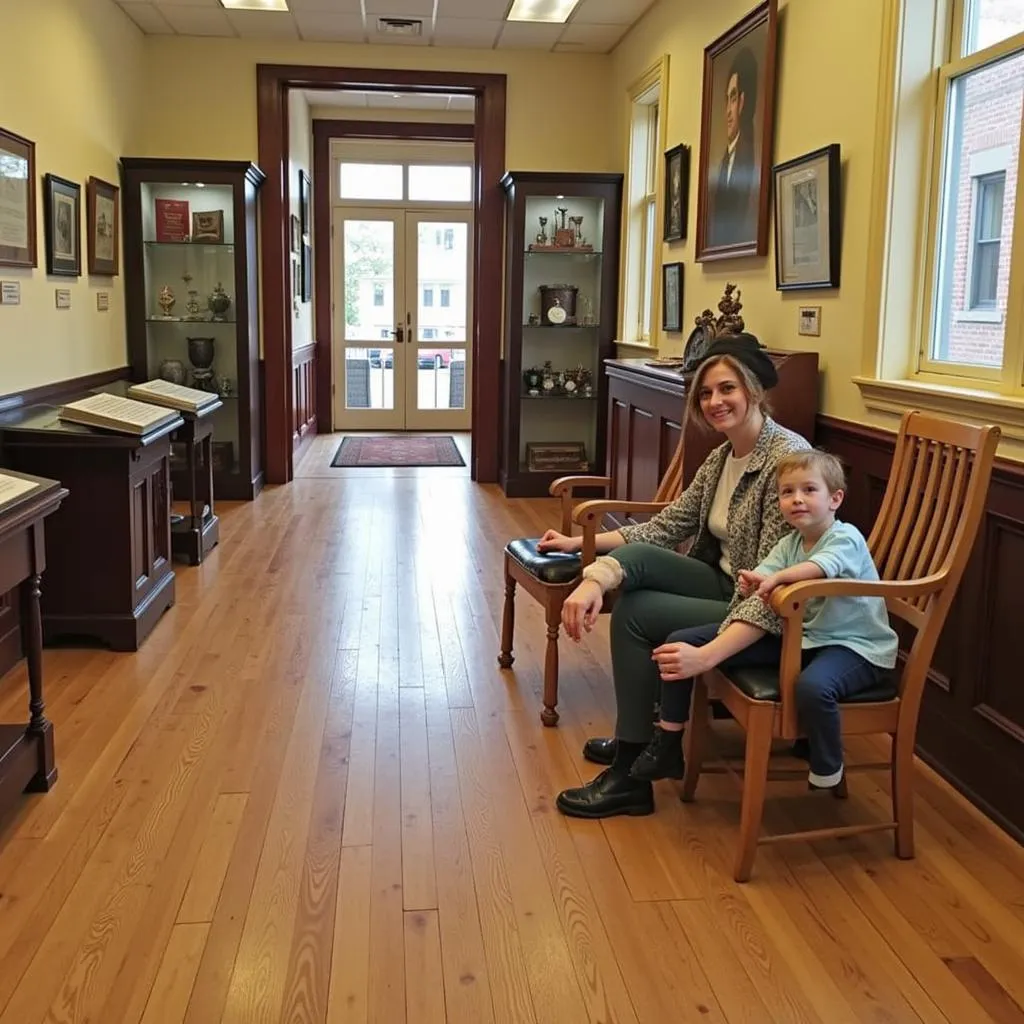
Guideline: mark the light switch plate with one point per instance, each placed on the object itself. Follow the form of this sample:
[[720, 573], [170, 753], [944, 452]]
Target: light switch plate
[[102, 301], [809, 322]]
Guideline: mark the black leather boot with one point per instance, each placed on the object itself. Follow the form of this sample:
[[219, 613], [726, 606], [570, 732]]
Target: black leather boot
[[600, 749], [612, 792], [662, 759]]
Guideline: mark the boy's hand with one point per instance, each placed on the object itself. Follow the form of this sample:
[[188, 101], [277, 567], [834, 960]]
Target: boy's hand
[[748, 582], [766, 586]]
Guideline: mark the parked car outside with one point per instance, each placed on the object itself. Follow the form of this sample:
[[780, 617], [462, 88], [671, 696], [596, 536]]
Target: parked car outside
[[438, 358]]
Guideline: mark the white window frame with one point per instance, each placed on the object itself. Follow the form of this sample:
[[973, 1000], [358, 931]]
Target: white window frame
[[921, 45], [641, 253]]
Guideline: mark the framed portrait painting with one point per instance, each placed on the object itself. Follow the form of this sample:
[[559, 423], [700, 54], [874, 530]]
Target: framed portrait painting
[[63, 221], [306, 223], [102, 227], [17, 201], [807, 220], [672, 297], [677, 193], [737, 119]]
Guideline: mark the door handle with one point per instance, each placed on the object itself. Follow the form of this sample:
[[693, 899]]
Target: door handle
[[399, 334]]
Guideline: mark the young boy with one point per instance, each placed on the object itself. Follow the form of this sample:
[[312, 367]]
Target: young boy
[[847, 641]]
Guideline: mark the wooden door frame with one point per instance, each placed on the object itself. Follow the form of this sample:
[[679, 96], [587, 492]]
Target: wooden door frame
[[324, 131], [273, 81]]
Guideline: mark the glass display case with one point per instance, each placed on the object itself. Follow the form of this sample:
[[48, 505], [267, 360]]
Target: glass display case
[[190, 252], [561, 295]]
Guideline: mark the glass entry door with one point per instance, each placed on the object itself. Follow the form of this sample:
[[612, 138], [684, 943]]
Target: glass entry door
[[402, 317]]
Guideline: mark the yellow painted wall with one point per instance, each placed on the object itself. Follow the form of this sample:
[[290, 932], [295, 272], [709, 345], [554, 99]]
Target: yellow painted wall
[[828, 69], [71, 81], [300, 157], [201, 97]]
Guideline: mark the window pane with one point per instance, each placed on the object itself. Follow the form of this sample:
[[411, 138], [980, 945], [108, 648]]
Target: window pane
[[976, 226], [369, 266], [647, 283], [439, 184], [991, 21], [371, 181]]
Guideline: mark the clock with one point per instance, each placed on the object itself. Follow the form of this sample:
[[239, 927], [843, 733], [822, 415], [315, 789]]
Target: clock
[[556, 313], [696, 346]]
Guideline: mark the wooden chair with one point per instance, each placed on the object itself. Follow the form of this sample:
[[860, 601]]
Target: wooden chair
[[920, 543], [551, 579]]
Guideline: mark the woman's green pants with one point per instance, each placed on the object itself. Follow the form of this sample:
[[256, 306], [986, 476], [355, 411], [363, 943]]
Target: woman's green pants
[[662, 591]]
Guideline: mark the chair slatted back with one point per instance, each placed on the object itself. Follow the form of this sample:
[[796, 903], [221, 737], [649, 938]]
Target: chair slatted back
[[929, 518], [671, 485]]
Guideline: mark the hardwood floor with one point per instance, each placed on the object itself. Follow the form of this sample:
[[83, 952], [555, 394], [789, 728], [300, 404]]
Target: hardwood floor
[[313, 797]]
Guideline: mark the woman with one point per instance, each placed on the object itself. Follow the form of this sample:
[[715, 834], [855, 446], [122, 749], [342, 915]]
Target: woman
[[731, 512]]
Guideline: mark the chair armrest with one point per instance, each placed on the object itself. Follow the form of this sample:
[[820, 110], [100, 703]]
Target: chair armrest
[[563, 489], [789, 601], [590, 515]]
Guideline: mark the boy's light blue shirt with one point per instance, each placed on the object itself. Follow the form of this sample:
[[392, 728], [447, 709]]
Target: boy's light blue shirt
[[859, 623]]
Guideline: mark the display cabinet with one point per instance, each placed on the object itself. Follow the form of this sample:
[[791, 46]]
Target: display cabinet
[[561, 311], [190, 256]]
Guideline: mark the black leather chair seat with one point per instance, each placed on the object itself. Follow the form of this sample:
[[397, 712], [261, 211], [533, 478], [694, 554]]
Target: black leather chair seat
[[554, 567], [762, 683]]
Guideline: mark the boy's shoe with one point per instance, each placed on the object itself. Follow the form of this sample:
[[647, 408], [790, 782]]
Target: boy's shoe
[[662, 758], [839, 790]]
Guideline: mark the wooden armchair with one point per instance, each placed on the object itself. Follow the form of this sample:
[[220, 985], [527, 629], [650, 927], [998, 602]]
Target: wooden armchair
[[550, 579], [920, 543]]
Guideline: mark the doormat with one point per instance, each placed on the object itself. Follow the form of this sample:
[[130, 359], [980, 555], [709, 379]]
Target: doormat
[[397, 450]]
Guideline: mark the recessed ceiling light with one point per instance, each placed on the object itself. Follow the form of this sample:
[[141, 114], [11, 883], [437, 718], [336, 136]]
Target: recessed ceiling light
[[255, 5], [556, 11]]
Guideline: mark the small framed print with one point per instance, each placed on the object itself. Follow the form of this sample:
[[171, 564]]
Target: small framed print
[[307, 272], [556, 456], [807, 221], [677, 193], [672, 297], [102, 227], [208, 226], [810, 321], [296, 234], [305, 221], [63, 222], [17, 201]]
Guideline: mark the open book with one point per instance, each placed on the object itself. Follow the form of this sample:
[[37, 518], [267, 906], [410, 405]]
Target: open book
[[174, 396], [111, 412]]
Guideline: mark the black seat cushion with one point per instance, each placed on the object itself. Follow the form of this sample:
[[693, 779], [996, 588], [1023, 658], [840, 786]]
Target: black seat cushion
[[553, 567], [762, 683]]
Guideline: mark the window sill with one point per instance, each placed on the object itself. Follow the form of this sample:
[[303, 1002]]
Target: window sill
[[978, 316], [896, 396], [643, 345]]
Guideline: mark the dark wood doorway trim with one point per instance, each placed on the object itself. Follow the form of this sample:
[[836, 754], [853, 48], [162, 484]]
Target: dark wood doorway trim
[[273, 82], [323, 131]]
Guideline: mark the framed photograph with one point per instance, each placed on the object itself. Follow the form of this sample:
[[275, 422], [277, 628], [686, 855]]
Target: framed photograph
[[556, 456], [807, 221], [677, 193], [672, 296], [737, 118], [17, 201], [63, 221], [296, 234], [306, 224], [307, 272], [102, 227], [208, 226]]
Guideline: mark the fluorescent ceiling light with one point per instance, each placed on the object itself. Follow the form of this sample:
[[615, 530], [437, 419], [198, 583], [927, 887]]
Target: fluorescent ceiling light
[[255, 5], [556, 11]]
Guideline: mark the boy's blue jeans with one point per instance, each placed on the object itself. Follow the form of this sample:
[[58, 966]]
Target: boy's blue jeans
[[830, 675]]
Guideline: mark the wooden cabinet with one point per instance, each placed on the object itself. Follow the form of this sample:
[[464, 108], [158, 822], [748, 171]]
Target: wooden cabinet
[[109, 546], [561, 312], [646, 416]]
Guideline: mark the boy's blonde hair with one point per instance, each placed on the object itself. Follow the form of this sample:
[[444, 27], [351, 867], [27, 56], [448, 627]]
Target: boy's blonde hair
[[752, 388], [823, 463]]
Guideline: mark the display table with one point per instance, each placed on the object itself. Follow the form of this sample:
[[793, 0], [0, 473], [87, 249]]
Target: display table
[[26, 751], [197, 534], [109, 545]]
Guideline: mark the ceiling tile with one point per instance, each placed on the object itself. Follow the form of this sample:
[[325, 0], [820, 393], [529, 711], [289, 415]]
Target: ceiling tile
[[400, 9], [197, 21], [595, 37], [325, 6], [263, 24], [331, 27], [395, 39], [148, 18], [488, 10], [528, 36], [466, 32], [213, 5], [609, 12]]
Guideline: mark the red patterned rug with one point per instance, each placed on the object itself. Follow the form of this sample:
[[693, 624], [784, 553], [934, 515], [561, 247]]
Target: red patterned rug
[[397, 450]]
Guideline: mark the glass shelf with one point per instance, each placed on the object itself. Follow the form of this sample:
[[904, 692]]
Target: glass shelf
[[562, 327], [198, 245], [186, 320], [563, 252], [555, 398]]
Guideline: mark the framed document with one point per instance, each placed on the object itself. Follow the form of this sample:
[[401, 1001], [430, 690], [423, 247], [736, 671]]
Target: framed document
[[63, 219], [672, 296], [17, 201], [807, 221], [103, 223]]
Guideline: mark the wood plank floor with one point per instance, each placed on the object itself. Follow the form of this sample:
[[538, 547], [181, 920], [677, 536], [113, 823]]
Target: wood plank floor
[[313, 797]]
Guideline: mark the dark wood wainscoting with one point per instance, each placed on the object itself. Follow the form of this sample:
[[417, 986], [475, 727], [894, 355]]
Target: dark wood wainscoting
[[972, 719], [304, 398]]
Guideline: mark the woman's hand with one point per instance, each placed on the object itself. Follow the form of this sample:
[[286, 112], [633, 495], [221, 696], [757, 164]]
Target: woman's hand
[[581, 609], [748, 581], [679, 661], [555, 541]]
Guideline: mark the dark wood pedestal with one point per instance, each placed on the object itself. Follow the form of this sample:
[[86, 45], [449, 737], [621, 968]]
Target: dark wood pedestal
[[26, 751], [109, 545], [197, 534]]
